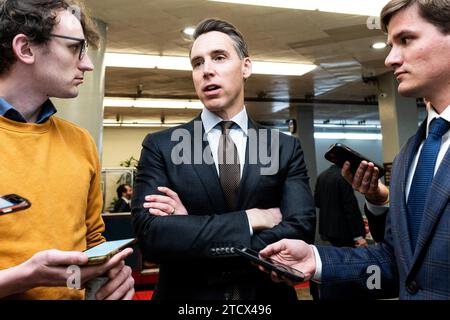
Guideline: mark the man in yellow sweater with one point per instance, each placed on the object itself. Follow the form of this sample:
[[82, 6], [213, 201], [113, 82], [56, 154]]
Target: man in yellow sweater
[[47, 160]]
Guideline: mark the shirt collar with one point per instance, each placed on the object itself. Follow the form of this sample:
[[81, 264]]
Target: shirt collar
[[432, 114], [210, 120], [9, 112]]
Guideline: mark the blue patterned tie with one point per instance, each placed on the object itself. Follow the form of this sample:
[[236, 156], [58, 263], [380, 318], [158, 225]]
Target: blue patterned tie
[[423, 176]]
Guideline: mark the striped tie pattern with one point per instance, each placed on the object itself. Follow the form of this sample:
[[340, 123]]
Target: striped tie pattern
[[423, 176]]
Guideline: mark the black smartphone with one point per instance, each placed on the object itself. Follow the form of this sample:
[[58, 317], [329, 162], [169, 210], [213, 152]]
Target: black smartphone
[[104, 251], [338, 153], [13, 202], [270, 264]]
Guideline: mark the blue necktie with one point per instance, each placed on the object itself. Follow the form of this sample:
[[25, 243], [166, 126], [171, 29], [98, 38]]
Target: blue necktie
[[423, 176]]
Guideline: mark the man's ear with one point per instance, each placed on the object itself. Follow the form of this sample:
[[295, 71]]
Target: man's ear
[[247, 68], [22, 49]]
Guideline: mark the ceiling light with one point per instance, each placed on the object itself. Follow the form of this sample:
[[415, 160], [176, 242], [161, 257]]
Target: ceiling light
[[137, 124], [365, 8], [152, 103], [347, 135], [287, 69], [123, 60], [146, 61], [189, 31], [378, 45]]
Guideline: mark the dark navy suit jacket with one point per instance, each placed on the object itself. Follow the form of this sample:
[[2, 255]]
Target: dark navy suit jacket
[[194, 250], [420, 274]]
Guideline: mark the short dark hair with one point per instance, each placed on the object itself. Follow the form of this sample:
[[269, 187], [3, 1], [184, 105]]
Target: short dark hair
[[436, 12], [121, 189], [210, 25], [36, 19]]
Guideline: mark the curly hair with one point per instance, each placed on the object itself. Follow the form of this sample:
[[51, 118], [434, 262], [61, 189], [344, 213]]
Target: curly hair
[[36, 19]]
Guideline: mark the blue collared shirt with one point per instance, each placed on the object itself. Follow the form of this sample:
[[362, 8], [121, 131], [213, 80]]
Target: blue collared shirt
[[8, 111]]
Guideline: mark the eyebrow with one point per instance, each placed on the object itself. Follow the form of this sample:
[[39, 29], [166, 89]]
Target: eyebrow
[[214, 52], [400, 34]]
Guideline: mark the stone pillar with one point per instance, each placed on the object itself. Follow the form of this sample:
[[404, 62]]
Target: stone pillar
[[87, 109], [398, 117], [304, 116]]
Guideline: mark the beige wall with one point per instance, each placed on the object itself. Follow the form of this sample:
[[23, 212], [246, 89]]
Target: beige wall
[[120, 144]]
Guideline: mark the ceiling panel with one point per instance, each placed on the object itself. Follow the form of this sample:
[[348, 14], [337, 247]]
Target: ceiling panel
[[339, 44]]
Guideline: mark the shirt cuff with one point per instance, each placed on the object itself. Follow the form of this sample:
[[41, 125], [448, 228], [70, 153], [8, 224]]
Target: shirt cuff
[[358, 238], [250, 228], [377, 210], [317, 277]]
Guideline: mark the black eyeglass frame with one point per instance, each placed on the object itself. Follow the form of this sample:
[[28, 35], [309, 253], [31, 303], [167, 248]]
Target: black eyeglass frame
[[83, 44]]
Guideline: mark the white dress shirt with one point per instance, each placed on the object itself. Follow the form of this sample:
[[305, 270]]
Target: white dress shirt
[[237, 133], [378, 210]]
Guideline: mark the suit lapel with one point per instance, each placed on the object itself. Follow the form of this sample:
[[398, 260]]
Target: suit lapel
[[435, 204], [206, 169], [251, 173], [404, 162]]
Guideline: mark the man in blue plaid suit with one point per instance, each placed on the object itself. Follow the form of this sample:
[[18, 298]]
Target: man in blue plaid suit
[[413, 261]]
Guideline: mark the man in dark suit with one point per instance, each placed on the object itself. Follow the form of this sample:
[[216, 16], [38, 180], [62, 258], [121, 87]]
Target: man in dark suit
[[212, 191], [413, 262], [124, 194], [340, 219]]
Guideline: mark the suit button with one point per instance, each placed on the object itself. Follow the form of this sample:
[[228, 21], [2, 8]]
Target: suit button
[[412, 287]]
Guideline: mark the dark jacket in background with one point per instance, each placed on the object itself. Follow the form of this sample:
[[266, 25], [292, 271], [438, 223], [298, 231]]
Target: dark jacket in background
[[340, 218], [121, 206]]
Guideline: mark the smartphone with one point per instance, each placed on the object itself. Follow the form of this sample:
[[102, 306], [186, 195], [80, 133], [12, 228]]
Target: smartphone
[[338, 153], [270, 264], [104, 251], [13, 202]]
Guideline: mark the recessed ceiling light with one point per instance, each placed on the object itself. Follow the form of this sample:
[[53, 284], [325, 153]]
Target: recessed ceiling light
[[189, 31], [378, 45]]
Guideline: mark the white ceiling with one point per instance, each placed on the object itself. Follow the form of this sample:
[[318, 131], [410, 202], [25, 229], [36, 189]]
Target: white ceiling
[[339, 44]]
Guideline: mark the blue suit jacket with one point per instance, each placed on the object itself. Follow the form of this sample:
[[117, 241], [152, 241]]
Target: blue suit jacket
[[420, 274]]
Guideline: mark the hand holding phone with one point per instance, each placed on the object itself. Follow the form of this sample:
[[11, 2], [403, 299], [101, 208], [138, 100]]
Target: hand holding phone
[[338, 153], [281, 269], [104, 251], [13, 202]]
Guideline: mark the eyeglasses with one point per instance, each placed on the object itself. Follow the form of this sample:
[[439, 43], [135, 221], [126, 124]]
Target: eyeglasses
[[83, 44]]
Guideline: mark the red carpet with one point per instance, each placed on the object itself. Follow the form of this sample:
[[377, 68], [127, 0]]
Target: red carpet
[[147, 295]]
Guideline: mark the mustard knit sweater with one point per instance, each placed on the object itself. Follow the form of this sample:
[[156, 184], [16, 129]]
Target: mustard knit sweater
[[54, 165]]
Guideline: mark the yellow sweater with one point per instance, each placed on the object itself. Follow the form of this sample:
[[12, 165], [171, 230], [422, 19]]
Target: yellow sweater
[[55, 165]]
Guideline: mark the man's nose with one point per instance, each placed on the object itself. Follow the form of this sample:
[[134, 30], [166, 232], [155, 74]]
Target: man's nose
[[393, 59], [86, 64], [208, 69]]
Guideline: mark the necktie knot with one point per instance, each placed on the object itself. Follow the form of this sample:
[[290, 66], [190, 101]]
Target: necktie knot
[[226, 126], [439, 127]]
